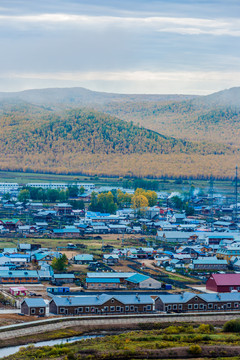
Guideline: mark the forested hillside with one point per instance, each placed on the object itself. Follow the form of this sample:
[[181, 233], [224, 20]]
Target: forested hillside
[[194, 120], [159, 135], [86, 141]]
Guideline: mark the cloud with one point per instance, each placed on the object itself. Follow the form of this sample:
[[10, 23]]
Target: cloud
[[185, 82], [179, 25]]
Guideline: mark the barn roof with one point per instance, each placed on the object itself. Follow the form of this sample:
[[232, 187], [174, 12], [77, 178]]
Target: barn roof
[[226, 279]]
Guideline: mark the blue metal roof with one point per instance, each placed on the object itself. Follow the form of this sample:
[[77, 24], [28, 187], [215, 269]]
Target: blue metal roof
[[177, 298], [19, 273], [210, 261], [83, 257], [64, 231], [137, 278], [64, 276]]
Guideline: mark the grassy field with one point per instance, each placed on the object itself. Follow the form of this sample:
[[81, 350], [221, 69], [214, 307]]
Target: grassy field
[[90, 244], [225, 187], [173, 342]]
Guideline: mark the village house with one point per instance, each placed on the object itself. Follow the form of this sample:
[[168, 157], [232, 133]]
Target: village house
[[102, 284], [60, 279], [223, 282], [63, 209], [83, 258], [110, 258], [101, 304], [139, 281], [210, 264], [35, 306], [190, 302], [18, 277], [18, 291], [11, 224]]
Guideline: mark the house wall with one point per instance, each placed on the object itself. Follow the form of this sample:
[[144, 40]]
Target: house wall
[[150, 284], [18, 280], [103, 286], [108, 307], [32, 310], [198, 305]]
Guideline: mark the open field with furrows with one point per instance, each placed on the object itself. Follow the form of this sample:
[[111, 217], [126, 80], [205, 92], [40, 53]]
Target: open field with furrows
[[154, 342]]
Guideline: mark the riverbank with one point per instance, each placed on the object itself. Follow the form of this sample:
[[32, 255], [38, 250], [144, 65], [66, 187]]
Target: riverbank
[[184, 341]]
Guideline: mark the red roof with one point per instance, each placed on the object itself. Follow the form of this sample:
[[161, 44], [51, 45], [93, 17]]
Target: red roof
[[226, 279]]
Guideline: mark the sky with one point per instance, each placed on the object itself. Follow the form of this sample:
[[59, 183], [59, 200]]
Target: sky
[[134, 46]]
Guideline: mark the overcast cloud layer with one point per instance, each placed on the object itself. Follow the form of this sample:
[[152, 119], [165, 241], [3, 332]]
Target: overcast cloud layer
[[141, 46]]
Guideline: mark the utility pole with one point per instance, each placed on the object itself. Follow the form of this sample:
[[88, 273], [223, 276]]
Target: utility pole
[[211, 201], [236, 195]]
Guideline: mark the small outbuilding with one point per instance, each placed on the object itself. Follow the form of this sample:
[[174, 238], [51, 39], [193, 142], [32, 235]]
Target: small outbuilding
[[35, 306], [18, 291]]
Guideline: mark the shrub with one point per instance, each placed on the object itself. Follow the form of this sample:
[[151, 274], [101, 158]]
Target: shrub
[[232, 326], [204, 329], [195, 349], [172, 330]]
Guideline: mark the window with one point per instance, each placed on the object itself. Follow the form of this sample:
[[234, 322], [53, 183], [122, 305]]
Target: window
[[149, 307], [229, 305], [201, 306], [118, 308], [195, 306], [169, 307], [210, 306], [126, 308], [62, 310], [180, 306], [105, 308], [92, 309], [87, 309], [189, 306], [41, 311], [235, 305], [112, 308], [174, 307], [80, 309], [196, 298], [131, 308], [33, 311], [112, 300]]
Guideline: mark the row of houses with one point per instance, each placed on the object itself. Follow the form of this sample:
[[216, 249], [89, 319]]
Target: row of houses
[[186, 302]]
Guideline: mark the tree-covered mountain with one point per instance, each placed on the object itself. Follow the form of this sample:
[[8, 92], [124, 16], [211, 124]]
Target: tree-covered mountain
[[82, 140], [80, 131]]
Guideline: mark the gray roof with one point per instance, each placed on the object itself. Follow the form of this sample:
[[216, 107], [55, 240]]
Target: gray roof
[[119, 275], [36, 302], [92, 300], [185, 297]]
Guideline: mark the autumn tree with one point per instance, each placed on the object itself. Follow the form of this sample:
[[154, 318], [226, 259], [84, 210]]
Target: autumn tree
[[139, 203], [60, 264], [24, 195]]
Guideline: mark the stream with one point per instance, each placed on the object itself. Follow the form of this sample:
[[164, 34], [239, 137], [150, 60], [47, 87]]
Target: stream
[[14, 349]]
